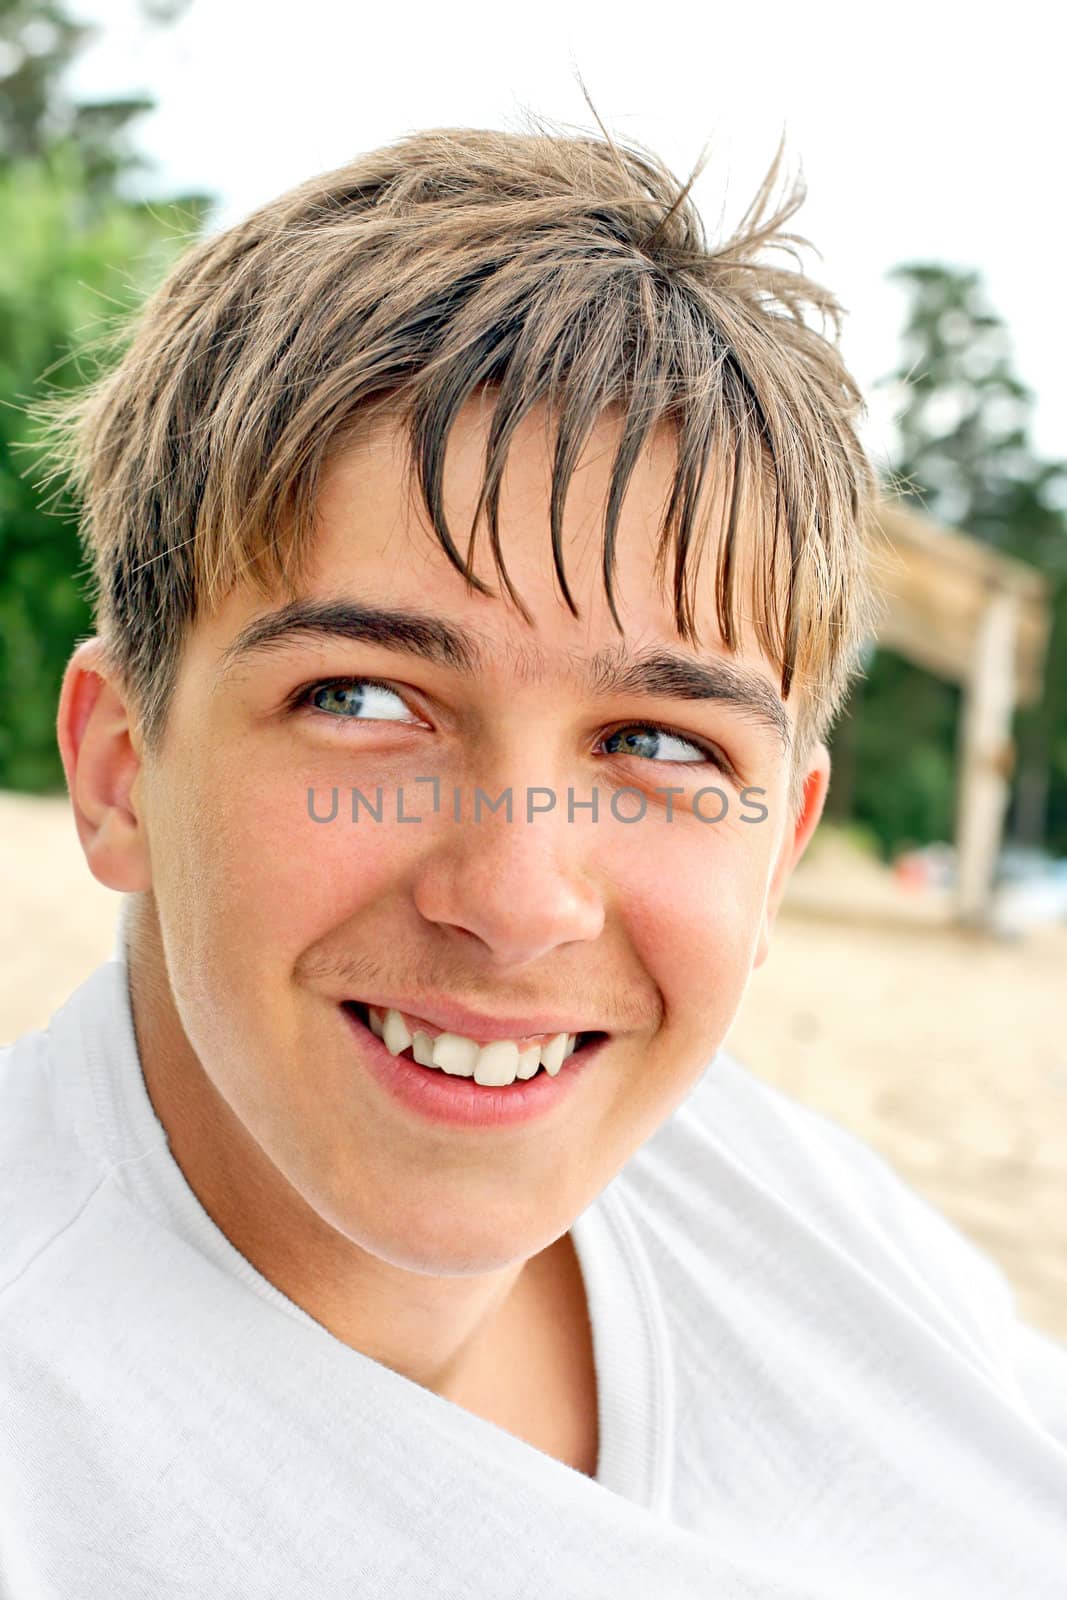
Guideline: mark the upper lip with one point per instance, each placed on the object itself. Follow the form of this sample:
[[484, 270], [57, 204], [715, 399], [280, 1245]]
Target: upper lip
[[447, 1014]]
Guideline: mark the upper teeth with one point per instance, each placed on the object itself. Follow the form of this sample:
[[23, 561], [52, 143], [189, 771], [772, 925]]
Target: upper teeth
[[495, 1064]]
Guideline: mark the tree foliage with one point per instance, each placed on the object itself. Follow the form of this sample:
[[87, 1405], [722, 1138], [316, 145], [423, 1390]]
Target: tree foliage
[[77, 254]]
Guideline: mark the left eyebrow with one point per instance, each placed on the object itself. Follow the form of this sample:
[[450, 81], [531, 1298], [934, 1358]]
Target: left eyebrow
[[671, 675], [615, 671]]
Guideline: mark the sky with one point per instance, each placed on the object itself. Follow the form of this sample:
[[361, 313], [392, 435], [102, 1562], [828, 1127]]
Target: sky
[[923, 131]]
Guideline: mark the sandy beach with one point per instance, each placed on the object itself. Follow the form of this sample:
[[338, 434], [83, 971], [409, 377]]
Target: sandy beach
[[944, 1050]]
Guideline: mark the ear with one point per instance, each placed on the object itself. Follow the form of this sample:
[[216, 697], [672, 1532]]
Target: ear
[[798, 832], [103, 767]]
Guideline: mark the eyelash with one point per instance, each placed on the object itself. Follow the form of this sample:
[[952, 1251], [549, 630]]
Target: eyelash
[[300, 699]]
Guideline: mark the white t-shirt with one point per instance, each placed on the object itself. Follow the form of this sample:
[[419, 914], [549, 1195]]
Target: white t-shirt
[[811, 1386]]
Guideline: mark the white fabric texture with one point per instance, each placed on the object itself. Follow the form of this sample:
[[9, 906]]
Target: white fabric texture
[[811, 1386]]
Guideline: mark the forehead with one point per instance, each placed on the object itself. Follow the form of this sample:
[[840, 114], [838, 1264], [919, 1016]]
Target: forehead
[[377, 571], [371, 517]]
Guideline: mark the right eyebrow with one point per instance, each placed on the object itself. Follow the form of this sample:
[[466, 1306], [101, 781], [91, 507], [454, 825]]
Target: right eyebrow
[[419, 633]]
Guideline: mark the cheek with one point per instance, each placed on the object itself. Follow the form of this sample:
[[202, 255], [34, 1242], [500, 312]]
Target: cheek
[[693, 908], [293, 868], [245, 878]]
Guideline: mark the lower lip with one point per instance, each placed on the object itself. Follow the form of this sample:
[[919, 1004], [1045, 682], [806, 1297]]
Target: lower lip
[[444, 1097]]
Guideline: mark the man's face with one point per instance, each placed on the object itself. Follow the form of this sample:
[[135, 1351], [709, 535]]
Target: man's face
[[268, 919]]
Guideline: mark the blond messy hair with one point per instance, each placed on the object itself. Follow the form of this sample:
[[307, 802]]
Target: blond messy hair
[[537, 267]]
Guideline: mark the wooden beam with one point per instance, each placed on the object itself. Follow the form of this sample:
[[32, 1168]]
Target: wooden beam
[[987, 755], [935, 584]]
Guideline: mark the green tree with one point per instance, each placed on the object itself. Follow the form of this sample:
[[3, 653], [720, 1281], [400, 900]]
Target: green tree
[[965, 458], [77, 254]]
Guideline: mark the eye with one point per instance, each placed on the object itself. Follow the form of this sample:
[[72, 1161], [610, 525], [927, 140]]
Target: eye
[[368, 700], [649, 739], [355, 699]]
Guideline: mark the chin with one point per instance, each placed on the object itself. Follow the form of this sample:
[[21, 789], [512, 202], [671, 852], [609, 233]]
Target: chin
[[452, 1225]]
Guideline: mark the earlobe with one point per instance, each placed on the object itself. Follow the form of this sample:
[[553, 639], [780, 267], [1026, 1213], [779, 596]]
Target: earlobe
[[794, 843], [102, 768], [815, 788]]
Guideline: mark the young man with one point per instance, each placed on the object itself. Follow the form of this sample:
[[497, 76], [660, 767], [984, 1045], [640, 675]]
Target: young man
[[328, 1266]]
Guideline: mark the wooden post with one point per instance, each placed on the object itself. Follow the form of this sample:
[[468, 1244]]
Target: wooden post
[[987, 755]]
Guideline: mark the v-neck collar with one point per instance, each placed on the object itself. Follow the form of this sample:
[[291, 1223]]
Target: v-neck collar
[[631, 1348]]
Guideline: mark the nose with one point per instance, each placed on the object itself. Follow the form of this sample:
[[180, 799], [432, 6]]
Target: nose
[[516, 886]]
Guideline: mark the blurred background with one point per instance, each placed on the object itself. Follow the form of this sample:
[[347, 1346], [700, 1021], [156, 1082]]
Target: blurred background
[[916, 989]]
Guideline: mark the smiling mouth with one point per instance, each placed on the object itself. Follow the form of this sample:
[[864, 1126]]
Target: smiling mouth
[[462, 1057]]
